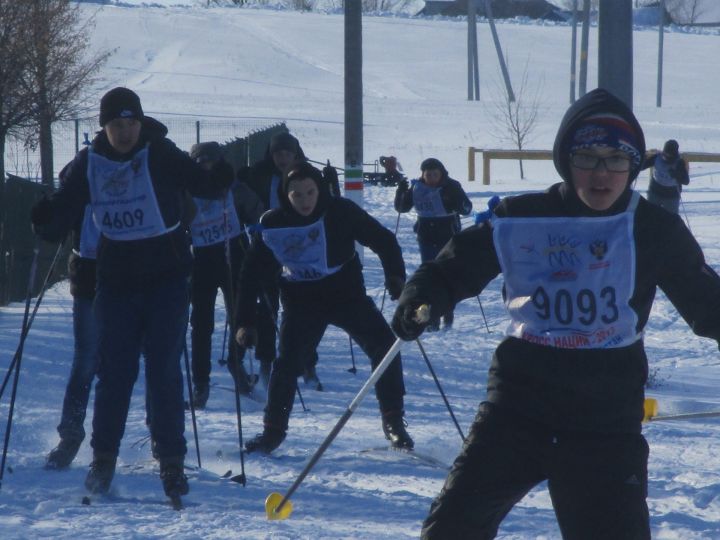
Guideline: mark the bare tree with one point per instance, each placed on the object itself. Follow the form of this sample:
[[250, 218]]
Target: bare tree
[[60, 72], [685, 11], [514, 121], [14, 102]]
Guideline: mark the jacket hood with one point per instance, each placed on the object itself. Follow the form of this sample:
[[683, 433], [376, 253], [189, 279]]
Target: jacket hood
[[598, 101], [301, 171]]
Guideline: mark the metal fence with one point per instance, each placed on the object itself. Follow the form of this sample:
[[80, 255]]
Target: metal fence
[[23, 160]]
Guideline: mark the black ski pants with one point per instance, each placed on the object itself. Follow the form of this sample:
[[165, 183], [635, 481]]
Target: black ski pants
[[210, 272], [597, 482], [301, 330]]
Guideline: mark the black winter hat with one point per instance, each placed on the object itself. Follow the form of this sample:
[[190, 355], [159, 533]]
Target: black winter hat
[[206, 151], [284, 141], [671, 148], [302, 171], [120, 103], [433, 163]]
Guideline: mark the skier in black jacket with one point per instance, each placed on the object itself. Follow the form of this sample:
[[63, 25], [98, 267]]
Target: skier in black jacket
[[439, 201], [581, 264], [668, 177], [218, 243], [265, 178], [309, 240], [135, 179]]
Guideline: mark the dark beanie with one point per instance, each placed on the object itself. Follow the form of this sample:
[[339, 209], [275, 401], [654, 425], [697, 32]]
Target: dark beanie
[[671, 148], [120, 103], [206, 151], [301, 171], [432, 163], [284, 141]]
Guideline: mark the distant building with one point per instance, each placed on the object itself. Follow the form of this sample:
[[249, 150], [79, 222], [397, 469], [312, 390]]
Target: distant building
[[501, 9]]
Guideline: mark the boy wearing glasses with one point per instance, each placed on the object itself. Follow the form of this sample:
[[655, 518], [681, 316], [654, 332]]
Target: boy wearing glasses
[[581, 263]]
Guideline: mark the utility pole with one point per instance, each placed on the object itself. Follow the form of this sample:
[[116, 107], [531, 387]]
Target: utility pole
[[573, 51], [661, 33], [498, 49], [473, 71], [584, 39], [615, 49], [353, 105]]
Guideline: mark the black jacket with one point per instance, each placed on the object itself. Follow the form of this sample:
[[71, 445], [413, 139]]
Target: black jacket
[[436, 230], [582, 390], [345, 224], [138, 262]]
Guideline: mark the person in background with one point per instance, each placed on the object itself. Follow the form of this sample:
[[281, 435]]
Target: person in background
[[307, 245], [81, 271], [669, 175], [439, 201], [135, 181], [218, 244], [565, 392], [265, 178]]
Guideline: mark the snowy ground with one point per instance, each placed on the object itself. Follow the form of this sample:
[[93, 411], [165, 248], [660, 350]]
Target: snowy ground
[[285, 65]]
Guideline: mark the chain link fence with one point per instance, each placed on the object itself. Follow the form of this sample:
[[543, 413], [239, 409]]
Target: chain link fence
[[23, 159]]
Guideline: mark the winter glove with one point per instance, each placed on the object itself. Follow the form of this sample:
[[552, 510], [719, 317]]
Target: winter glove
[[222, 175], [41, 212], [394, 286], [331, 177], [246, 336], [402, 186], [410, 320]]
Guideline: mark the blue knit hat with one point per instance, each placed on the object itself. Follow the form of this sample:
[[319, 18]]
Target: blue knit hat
[[608, 130]]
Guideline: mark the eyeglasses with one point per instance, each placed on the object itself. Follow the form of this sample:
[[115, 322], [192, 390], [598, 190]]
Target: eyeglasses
[[589, 162]]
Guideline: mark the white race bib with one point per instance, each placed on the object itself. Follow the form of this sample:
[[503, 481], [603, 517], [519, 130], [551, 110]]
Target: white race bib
[[569, 281], [427, 201], [123, 199], [215, 221], [302, 251]]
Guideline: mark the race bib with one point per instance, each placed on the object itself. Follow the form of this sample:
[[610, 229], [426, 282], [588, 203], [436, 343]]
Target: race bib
[[123, 199], [568, 280], [301, 251], [427, 201], [215, 221]]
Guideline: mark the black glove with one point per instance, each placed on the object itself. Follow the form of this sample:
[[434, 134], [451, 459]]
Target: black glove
[[405, 323], [246, 336], [331, 177], [402, 186], [394, 286], [222, 175], [41, 212]]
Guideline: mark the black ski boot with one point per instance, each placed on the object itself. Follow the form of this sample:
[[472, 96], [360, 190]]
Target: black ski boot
[[201, 393], [63, 454], [393, 425], [311, 379], [448, 320], [241, 378], [174, 481], [100, 475], [267, 441]]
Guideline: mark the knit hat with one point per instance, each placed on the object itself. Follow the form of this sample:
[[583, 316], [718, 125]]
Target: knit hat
[[608, 130], [284, 141], [120, 103], [433, 163], [671, 148], [206, 151]]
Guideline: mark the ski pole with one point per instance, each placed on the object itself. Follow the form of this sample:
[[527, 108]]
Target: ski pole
[[651, 413], [437, 383], [397, 224], [682, 204], [26, 328], [190, 401], [23, 334], [222, 360], [278, 506], [239, 478], [483, 314], [353, 369]]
